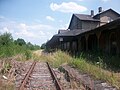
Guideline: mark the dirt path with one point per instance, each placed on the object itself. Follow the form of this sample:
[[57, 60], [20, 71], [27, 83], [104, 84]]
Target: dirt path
[[38, 52]]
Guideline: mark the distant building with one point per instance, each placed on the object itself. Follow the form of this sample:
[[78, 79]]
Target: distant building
[[90, 32]]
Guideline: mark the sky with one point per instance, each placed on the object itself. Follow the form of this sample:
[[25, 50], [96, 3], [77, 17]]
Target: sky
[[36, 21]]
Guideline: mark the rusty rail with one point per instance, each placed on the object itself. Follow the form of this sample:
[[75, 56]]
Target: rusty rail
[[55, 80], [57, 84], [27, 76]]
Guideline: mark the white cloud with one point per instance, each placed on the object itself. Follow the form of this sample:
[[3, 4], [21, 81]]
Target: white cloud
[[22, 26], [50, 18], [5, 29], [35, 33], [32, 31], [64, 26], [105, 0], [2, 17], [70, 7], [40, 27], [23, 31], [79, 0]]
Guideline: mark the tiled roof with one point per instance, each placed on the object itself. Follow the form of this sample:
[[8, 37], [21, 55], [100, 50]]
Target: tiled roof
[[107, 26], [85, 17], [62, 31], [69, 33], [72, 32]]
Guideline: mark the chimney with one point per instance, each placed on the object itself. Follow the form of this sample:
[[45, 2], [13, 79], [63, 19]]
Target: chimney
[[92, 13], [99, 9]]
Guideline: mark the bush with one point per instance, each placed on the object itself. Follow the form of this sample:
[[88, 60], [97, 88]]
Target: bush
[[9, 47], [28, 54]]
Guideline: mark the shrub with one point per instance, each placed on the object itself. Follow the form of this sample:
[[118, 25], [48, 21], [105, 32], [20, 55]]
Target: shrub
[[28, 54]]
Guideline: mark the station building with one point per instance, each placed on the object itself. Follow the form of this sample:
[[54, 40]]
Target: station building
[[90, 33]]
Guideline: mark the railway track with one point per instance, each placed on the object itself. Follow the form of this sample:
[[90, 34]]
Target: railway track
[[37, 76]]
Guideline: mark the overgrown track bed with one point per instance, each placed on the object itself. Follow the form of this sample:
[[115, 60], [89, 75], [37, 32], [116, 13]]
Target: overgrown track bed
[[37, 76]]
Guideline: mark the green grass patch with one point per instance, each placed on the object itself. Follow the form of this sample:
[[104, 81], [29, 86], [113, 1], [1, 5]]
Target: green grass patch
[[10, 47]]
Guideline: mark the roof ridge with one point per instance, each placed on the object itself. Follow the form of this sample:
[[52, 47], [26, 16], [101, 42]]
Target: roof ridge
[[85, 17], [106, 11]]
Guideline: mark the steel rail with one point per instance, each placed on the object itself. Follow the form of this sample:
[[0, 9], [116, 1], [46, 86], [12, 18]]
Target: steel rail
[[22, 86], [57, 84]]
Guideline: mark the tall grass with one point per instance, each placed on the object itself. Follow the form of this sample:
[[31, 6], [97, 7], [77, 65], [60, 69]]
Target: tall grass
[[108, 61], [10, 47], [55, 59], [95, 70]]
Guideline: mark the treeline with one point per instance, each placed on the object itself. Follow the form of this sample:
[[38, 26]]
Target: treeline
[[28, 45], [10, 47]]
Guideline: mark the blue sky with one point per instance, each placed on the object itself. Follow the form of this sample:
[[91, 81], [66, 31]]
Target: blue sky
[[37, 21]]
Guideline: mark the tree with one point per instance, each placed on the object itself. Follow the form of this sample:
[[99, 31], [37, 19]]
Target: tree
[[30, 46], [43, 46], [6, 39], [36, 47], [20, 42]]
